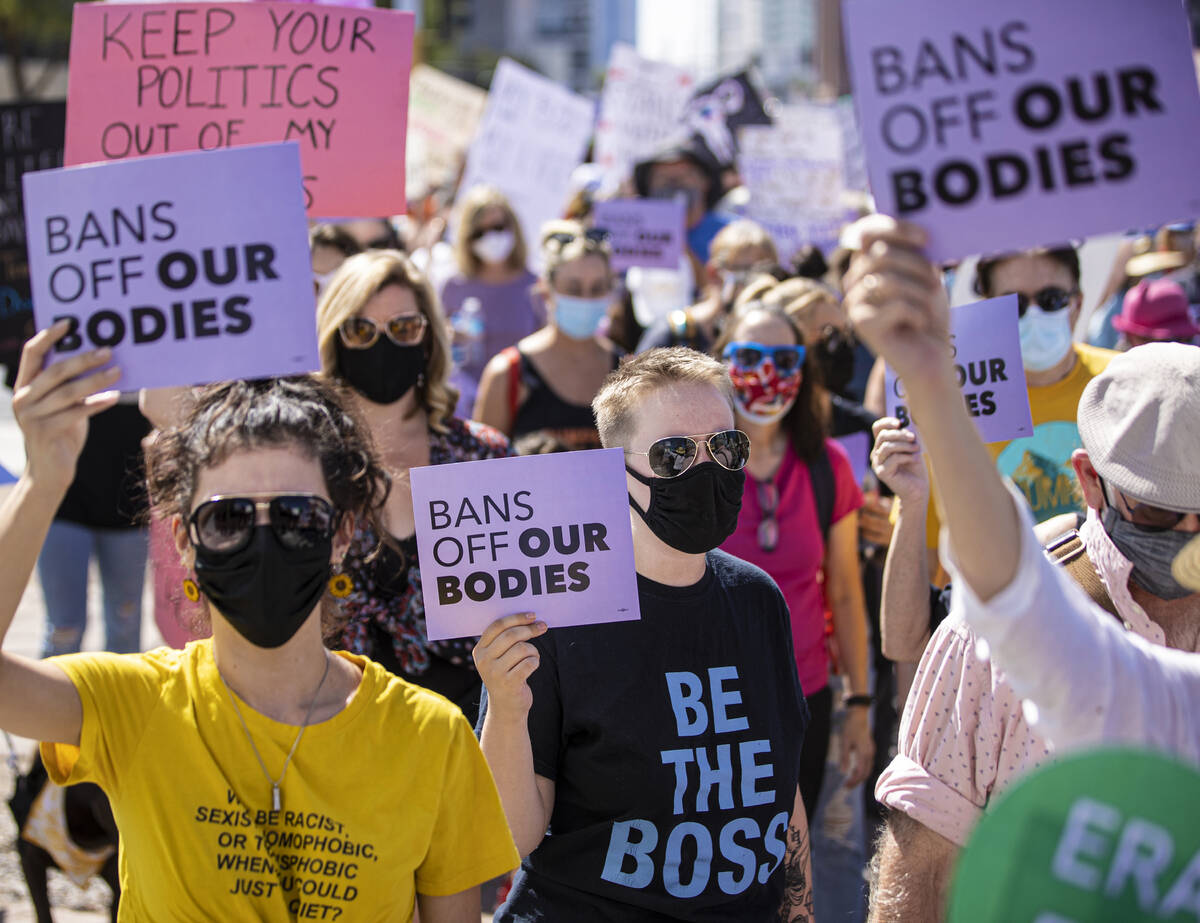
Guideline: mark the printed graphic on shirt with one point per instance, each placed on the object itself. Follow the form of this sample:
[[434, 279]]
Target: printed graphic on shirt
[[710, 781], [304, 857], [1041, 466]]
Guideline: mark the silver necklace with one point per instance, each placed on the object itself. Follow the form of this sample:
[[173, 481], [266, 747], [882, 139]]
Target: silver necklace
[[276, 798]]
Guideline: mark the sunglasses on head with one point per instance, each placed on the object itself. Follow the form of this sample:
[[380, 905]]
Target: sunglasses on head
[[1050, 299], [750, 356], [489, 229], [562, 238], [226, 524], [403, 330], [1144, 516], [670, 456]]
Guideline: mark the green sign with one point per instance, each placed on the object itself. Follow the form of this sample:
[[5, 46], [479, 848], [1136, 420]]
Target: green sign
[[1109, 835]]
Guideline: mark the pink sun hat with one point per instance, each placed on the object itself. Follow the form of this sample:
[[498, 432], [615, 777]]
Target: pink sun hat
[[1157, 310]]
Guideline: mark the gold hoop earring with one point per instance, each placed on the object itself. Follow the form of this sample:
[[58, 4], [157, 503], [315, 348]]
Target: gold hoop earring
[[190, 590]]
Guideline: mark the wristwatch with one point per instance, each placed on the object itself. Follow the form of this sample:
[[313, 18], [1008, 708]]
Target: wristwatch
[[859, 700]]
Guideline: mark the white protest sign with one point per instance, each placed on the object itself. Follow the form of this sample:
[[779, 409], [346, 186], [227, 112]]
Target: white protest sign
[[443, 114], [986, 346], [644, 232], [641, 109], [542, 533], [793, 170], [192, 267], [532, 135]]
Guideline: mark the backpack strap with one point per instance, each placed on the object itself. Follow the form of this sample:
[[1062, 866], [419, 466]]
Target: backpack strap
[[513, 355], [1069, 553], [820, 476]]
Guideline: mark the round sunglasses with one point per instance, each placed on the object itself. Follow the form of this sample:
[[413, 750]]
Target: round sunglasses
[[403, 330], [1049, 299], [750, 356], [226, 524], [670, 456]]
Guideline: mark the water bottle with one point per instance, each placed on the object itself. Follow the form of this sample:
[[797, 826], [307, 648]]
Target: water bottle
[[467, 349]]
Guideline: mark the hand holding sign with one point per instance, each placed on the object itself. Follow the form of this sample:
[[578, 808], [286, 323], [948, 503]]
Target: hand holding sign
[[505, 660]]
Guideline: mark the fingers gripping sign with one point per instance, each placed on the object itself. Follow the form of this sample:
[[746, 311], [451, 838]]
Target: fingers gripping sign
[[53, 405], [897, 460], [505, 660], [896, 301]]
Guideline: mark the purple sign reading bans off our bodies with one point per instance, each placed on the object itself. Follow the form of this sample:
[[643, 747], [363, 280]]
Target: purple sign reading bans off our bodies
[[547, 534], [1000, 126], [192, 267], [986, 344]]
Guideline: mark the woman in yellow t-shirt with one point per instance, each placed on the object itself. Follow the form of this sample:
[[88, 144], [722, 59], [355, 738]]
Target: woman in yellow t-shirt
[[255, 775]]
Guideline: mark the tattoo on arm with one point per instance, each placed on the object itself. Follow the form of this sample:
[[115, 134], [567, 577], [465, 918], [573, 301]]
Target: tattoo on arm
[[797, 905]]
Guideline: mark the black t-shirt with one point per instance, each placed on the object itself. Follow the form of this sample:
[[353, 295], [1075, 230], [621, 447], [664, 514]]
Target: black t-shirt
[[109, 490], [670, 738]]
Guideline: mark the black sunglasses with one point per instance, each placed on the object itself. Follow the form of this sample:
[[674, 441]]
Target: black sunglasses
[[670, 456], [1144, 516], [1050, 299], [562, 238], [226, 524], [403, 330], [489, 229]]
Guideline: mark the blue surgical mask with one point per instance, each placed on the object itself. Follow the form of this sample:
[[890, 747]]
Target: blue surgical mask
[[579, 318], [1045, 338]]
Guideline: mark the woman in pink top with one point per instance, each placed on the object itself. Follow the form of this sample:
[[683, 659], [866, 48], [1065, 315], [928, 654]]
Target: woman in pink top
[[782, 406]]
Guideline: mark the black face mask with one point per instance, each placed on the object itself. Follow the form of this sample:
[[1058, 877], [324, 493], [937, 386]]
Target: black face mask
[[835, 355], [383, 372], [696, 511], [264, 590]]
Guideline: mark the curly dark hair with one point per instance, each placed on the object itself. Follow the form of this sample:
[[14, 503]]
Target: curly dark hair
[[313, 416]]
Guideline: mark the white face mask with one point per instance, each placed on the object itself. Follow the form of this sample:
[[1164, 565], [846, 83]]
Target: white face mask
[[494, 246], [1045, 337], [322, 281]]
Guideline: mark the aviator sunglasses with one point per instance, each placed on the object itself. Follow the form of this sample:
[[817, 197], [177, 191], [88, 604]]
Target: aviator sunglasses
[[403, 330], [226, 524], [1050, 299], [751, 356], [670, 456]]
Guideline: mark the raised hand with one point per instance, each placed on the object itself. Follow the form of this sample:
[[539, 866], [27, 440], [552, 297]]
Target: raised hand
[[897, 461], [505, 660], [896, 301], [52, 405]]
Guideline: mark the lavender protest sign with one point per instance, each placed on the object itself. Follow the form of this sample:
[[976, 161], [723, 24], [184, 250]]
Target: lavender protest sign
[[532, 135], [645, 232], [192, 267], [443, 113], [641, 108], [161, 78], [999, 126], [543, 533], [986, 345]]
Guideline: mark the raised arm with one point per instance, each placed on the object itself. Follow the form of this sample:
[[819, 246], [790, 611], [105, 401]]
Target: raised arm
[[904, 607], [52, 407], [506, 660]]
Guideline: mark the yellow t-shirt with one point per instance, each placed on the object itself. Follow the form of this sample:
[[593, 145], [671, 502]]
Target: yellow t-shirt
[[1040, 465], [389, 797]]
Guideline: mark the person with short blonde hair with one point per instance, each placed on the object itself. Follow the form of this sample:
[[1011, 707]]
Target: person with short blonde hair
[[546, 382], [490, 301], [381, 331], [598, 732]]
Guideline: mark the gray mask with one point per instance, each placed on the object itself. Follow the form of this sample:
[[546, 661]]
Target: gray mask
[[1151, 553]]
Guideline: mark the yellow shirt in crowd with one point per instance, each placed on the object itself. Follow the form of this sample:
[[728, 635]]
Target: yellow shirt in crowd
[[389, 797], [1040, 465]]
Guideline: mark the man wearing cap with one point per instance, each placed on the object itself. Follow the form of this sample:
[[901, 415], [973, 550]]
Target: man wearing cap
[[965, 734], [687, 169], [1156, 312]]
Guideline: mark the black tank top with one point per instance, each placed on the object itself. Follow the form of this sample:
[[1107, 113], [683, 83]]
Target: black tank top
[[545, 413]]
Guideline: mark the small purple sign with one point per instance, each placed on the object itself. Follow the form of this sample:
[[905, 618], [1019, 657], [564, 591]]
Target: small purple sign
[[192, 267], [987, 356], [1000, 126], [645, 232], [543, 533]]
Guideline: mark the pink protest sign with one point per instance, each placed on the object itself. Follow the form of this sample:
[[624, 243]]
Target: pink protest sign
[[644, 232], [1001, 126], [192, 267], [158, 78], [986, 344], [543, 533]]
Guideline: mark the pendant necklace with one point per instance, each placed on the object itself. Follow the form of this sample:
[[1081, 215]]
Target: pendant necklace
[[276, 798]]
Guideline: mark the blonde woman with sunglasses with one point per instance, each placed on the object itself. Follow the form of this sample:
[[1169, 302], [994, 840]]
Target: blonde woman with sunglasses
[[382, 332]]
